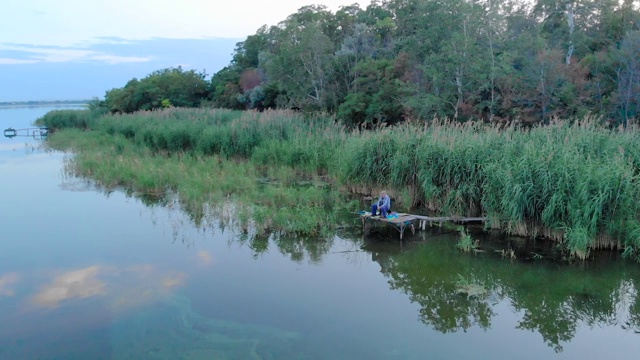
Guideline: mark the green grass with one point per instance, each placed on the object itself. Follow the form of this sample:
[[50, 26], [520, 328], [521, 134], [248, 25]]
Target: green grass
[[60, 119], [206, 185], [572, 182], [466, 242]]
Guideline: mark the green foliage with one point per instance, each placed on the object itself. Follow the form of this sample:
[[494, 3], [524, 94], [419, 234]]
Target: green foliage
[[458, 59], [573, 182], [466, 243], [162, 88], [378, 94], [403, 60], [206, 186], [60, 119], [225, 89]]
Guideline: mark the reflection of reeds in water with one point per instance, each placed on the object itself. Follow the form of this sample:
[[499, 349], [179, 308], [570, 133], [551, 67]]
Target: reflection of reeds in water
[[574, 183], [466, 243], [208, 187], [294, 212], [470, 287]]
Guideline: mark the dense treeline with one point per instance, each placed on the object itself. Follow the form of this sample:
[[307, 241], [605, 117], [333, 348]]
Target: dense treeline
[[573, 183], [482, 59], [496, 60]]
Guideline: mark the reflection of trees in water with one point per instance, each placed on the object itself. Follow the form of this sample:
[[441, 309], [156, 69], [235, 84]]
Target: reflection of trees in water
[[450, 311], [555, 306], [633, 321], [554, 300], [443, 306], [295, 247]]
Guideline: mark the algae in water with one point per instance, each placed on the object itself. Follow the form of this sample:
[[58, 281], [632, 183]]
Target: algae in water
[[173, 330]]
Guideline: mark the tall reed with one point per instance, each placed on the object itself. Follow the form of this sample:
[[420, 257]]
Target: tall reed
[[576, 183]]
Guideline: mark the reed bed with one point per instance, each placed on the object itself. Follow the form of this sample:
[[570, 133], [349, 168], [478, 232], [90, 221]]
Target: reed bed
[[572, 182], [60, 119], [267, 200]]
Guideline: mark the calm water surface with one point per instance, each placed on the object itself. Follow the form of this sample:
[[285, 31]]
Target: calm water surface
[[86, 274]]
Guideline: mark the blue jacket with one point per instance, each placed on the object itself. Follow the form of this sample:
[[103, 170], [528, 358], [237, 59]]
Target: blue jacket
[[384, 201]]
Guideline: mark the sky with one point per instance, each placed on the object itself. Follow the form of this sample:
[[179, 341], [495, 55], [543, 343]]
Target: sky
[[78, 49]]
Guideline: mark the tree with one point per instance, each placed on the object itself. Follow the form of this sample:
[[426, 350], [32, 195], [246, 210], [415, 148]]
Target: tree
[[301, 63], [464, 59], [181, 88], [379, 97], [628, 76]]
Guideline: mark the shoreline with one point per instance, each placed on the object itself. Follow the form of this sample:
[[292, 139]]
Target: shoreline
[[539, 183], [7, 106]]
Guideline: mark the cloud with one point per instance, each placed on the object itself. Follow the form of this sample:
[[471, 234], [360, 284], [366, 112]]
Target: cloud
[[77, 284], [173, 281], [8, 61], [5, 281], [114, 59], [136, 285], [111, 40], [205, 257], [47, 22], [122, 287], [109, 65], [29, 54]]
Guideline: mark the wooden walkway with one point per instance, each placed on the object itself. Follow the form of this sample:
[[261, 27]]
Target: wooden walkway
[[402, 221]]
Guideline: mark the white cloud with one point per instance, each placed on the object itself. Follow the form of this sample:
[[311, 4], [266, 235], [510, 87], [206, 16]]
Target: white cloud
[[9, 61], [114, 59], [38, 54], [75, 22]]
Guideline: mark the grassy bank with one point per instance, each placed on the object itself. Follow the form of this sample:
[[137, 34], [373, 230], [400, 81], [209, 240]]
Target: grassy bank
[[262, 200], [573, 183]]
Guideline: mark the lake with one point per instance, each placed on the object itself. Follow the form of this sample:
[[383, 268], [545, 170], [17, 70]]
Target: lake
[[92, 274]]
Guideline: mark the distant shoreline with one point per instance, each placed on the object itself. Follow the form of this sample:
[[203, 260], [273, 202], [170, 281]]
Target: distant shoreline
[[14, 104]]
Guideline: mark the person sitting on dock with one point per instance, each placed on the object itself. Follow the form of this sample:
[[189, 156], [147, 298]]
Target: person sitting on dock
[[383, 204]]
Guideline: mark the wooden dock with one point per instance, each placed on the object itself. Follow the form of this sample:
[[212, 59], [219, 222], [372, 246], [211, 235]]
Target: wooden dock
[[402, 221]]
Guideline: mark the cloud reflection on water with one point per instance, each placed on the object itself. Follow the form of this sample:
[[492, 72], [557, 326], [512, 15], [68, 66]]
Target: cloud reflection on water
[[122, 287], [138, 285], [205, 258], [78, 284], [5, 281], [172, 281]]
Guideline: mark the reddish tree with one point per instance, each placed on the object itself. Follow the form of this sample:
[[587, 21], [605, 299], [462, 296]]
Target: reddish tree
[[249, 79]]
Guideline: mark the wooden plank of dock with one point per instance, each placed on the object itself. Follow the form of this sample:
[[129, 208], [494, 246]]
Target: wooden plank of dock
[[451, 218], [424, 220], [402, 221]]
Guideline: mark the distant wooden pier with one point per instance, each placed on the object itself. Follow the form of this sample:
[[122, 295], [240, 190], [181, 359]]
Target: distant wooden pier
[[36, 133], [402, 221]]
